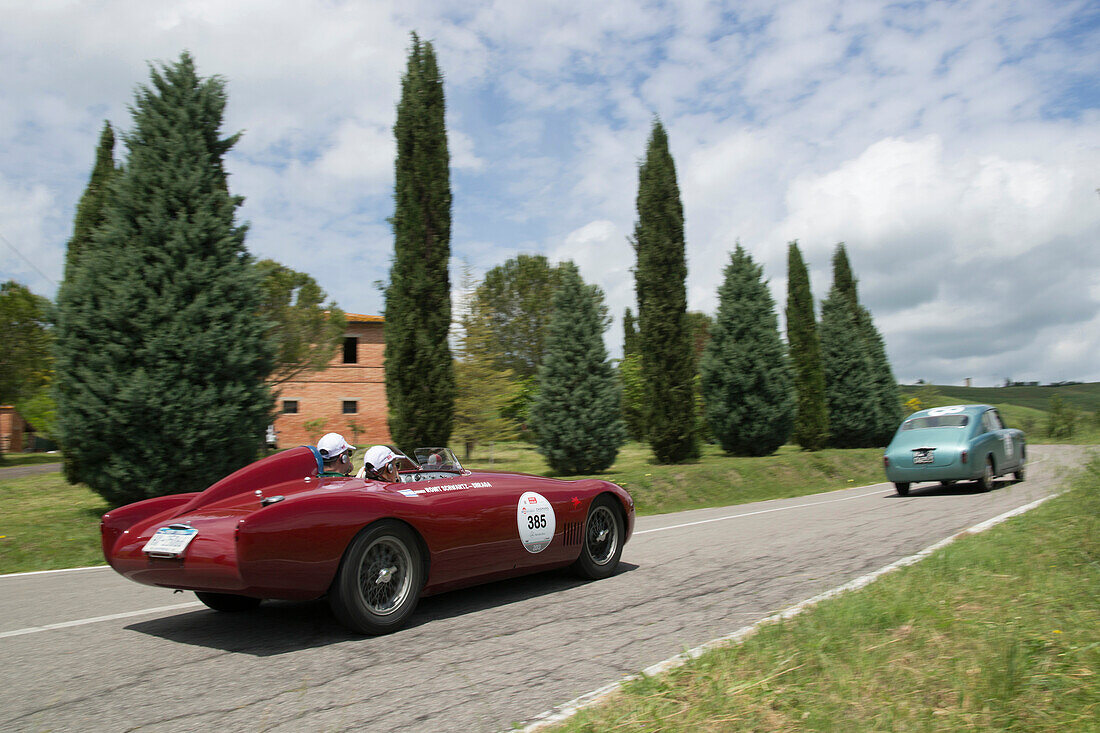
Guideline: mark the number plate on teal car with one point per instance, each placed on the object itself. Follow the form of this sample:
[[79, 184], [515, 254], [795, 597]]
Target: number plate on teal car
[[170, 541], [923, 456]]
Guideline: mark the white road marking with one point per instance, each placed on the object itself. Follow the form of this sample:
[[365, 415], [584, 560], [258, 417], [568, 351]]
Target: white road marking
[[751, 514], [62, 570], [97, 619], [566, 711]]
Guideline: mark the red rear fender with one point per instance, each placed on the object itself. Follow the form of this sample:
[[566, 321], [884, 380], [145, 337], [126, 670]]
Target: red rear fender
[[117, 521]]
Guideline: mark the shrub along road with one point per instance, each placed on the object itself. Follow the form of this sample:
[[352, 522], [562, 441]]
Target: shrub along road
[[478, 659]]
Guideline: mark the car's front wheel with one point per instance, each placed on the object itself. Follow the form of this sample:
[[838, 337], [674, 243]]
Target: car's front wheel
[[228, 602], [379, 580], [903, 488], [985, 482], [603, 540]]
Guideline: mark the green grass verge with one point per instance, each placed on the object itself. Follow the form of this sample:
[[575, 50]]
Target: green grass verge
[[996, 632], [47, 523], [714, 480]]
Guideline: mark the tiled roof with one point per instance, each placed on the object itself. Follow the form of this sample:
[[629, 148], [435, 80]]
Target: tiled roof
[[361, 318]]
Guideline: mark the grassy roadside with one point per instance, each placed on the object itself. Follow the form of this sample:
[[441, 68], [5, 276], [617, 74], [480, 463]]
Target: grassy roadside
[[46, 523], [999, 631], [714, 480]]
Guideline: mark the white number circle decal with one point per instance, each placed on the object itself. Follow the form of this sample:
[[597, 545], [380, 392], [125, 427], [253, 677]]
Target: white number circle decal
[[937, 411], [535, 519]]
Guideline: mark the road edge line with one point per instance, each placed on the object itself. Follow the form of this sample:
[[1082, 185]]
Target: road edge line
[[58, 570], [567, 710]]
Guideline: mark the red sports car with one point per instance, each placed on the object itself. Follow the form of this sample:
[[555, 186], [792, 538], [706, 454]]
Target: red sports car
[[277, 529]]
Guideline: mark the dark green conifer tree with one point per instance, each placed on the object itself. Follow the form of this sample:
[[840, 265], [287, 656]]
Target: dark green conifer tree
[[811, 422], [630, 379], [664, 335], [576, 413], [887, 399], [161, 361], [630, 334], [849, 384], [92, 207], [745, 377], [420, 380]]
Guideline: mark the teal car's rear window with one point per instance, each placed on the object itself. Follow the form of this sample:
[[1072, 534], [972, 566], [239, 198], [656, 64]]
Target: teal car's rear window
[[941, 421]]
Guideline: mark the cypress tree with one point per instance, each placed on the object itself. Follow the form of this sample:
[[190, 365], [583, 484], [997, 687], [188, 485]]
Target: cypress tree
[[161, 360], [744, 372], [849, 384], [811, 423], [90, 211], [420, 381], [887, 401], [576, 413], [664, 336], [630, 380], [630, 334]]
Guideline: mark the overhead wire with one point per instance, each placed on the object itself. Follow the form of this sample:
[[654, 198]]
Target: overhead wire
[[27, 260]]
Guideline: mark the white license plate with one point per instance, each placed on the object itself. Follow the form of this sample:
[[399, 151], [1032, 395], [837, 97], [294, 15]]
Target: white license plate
[[923, 456], [170, 541]]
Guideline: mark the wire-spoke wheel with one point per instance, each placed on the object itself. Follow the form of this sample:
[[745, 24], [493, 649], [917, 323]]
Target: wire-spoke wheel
[[379, 580], [603, 540]]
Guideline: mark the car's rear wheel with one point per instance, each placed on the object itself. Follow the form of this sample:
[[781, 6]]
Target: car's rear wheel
[[903, 488], [603, 540], [379, 580], [986, 479], [1018, 474], [228, 602]]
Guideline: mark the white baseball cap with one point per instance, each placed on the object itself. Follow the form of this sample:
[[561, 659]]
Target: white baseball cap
[[378, 456], [331, 445]]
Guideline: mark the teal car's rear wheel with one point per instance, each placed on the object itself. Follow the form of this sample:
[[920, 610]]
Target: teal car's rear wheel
[[986, 479], [902, 487]]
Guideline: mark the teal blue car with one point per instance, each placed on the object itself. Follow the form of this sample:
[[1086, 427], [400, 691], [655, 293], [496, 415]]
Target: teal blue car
[[956, 443]]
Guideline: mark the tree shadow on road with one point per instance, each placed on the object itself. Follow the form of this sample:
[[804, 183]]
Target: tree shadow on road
[[281, 627]]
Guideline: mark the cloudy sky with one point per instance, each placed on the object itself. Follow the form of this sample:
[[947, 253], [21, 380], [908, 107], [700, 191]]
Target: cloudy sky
[[954, 146]]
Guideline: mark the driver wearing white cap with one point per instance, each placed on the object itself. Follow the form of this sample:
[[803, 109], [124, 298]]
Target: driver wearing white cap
[[379, 462], [336, 455]]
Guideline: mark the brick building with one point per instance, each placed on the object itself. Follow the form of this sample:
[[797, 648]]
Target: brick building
[[349, 397], [13, 430]]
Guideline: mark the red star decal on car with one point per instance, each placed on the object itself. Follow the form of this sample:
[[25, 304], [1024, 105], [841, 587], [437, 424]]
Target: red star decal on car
[[576, 502]]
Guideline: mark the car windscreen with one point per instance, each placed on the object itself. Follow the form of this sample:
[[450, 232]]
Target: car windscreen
[[940, 421]]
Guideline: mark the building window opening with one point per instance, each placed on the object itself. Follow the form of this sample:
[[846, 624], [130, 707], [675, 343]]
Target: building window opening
[[290, 407], [351, 407], [351, 349]]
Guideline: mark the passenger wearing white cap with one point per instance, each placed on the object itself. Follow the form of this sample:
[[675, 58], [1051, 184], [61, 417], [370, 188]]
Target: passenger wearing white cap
[[336, 454], [379, 463]]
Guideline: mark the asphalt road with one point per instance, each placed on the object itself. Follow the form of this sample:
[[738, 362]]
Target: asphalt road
[[31, 470], [473, 660]]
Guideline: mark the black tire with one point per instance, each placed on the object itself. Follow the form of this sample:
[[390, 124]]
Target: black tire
[[379, 580], [227, 602], [902, 488], [1018, 474], [947, 482], [603, 540], [985, 481]]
